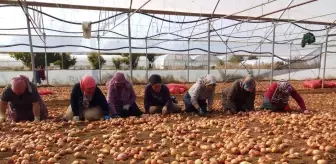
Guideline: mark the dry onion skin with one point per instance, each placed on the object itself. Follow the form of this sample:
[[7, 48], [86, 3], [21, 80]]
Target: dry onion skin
[[254, 137]]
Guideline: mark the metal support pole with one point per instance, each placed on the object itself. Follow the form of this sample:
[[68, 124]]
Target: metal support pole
[[259, 61], [146, 41], [273, 44], [146, 62], [45, 57], [62, 55], [31, 47], [130, 42], [188, 71], [320, 64], [325, 56], [289, 61], [99, 62], [226, 55], [209, 31]]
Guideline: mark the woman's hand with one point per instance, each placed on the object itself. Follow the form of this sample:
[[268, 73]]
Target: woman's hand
[[75, 118], [306, 111], [3, 106], [164, 110]]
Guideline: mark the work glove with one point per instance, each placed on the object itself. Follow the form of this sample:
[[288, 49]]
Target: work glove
[[200, 112], [107, 117], [37, 119], [306, 111], [126, 107], [75, 118], [164, 110]]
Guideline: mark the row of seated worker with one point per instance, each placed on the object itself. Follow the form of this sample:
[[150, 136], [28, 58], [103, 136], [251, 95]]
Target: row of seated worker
[[87, 101]]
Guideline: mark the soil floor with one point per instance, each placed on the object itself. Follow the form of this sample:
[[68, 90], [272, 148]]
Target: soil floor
[[257, 137]]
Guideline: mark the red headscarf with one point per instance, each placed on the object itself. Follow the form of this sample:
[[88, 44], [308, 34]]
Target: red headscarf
[[87, 82], [20, 84]]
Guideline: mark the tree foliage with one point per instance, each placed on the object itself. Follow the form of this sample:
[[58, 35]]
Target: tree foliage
[[117, 62], [39, 58], [94, 62], [151, 57], [135, 59], [252, 58], [235, 59], [68, 61], [220, 63]]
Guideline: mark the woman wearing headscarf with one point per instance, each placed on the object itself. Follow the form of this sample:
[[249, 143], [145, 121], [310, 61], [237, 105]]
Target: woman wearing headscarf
[[277, 96], [197, 96], [87, 102], [23, 101], [157, 98], [240, 96], [121, 97]]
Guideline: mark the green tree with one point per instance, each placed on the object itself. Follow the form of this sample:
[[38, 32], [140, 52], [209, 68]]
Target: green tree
[[93, 59], [24, 57], [39, 58], [252, 58], [151, 57], [135, 59], [65, 61], [124, 60], [235, 59], [117, 62], [220, 63]]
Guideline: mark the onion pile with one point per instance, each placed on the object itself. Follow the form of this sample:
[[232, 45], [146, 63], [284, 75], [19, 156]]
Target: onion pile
[[254, 137]]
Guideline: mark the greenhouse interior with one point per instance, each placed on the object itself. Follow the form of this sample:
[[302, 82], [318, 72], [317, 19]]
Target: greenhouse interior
[[55, 44]]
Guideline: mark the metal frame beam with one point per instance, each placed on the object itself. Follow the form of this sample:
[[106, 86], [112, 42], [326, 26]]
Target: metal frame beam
[[86, 7]]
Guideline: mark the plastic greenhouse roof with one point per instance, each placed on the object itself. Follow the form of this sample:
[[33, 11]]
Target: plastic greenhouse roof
[[316, 8], [117, 42]]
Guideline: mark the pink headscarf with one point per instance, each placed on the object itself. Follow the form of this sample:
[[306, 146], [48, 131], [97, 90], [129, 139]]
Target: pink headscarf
[[20, 84], [87, 82]]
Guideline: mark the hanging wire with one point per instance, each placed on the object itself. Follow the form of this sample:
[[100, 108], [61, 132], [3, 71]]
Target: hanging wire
[[243, 63], [266, 27], [128, 17], [162, 19], [31, 20], [152, 36], [181, 22]]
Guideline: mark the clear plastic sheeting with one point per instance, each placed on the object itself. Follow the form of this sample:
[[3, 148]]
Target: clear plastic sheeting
[[120, 45], [174, 37], [224, 7]]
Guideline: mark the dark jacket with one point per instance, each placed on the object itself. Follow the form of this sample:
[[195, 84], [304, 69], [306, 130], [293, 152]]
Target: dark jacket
[[98, 99], [153, 98], [237, 98]]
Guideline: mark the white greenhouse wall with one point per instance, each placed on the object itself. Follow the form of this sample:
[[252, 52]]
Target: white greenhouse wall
[[69, 77]]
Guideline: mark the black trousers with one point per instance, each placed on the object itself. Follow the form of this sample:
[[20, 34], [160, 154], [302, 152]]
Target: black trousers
[[132, 111], [189, 107]]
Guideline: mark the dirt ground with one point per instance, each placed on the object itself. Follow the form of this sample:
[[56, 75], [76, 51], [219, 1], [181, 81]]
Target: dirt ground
[[257, 137]]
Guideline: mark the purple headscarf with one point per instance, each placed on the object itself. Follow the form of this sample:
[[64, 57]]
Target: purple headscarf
[[119, 95]]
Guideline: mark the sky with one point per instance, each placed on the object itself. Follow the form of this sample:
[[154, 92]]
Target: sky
[[141, 23]]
